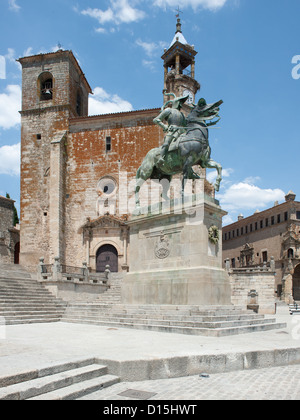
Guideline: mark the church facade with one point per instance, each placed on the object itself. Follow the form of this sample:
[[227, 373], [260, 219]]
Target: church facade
[[78, 171]]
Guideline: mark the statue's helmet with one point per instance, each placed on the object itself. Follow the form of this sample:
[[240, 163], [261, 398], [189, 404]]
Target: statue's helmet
[[202, 104], [176, 102]]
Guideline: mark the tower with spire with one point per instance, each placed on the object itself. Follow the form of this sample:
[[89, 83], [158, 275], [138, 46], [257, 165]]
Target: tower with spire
[[179, 67]]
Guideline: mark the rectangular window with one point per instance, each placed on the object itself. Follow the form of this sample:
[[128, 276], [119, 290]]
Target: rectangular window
[[251, 227], [272, 220], [246, 229], [225, 236], [256, 226], [278, 218], [267, 222], [238, 232], [286, 216], [242, 231], [233, 263], [261, 224], [298, 215], [265, 256], [108, 144]]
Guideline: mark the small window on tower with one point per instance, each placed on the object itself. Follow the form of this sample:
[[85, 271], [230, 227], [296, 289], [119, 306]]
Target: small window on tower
[[79, 104], [108, 144]]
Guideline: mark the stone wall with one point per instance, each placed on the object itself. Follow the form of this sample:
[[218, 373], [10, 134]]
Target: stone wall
[[132, 135], [253, 289], [9, 236]]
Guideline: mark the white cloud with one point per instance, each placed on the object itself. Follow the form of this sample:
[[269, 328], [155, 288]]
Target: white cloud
[[148, 47], [100, 30], [2, 67], [195, 4], [244, 196], [28, 52], [10, 105], [212, 176], [151, 48], [120, 11], [105, 103], [10, 159], [13, 5]]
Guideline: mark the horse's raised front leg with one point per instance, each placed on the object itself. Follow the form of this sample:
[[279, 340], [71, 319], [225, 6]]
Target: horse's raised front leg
[[211, 164]]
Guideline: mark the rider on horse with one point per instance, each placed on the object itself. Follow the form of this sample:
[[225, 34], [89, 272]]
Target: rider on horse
[[176, 123]]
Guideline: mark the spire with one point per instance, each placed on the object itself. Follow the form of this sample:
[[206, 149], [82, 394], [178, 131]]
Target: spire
[[178, 34], [178, 26]]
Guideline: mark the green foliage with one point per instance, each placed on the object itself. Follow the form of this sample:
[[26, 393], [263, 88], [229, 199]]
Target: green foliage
[[16, 217]]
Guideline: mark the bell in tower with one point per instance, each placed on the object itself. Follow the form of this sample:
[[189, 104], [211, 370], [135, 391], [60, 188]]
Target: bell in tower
[[179, 68]]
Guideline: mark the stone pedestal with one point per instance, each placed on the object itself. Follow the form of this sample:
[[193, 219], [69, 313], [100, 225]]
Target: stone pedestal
[[172, 259]]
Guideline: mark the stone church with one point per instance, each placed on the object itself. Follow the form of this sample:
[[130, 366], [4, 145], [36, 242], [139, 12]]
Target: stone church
[[75, 168]]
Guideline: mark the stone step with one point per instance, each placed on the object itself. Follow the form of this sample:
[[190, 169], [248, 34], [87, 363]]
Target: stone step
[[92, 310], [18, 292], [211, 332], [159, 314], [29, 299], [28, 308], [168, 321], [76, 381], [79, 390], [23, 300], [22, 311], [44, 320], [15, 275]]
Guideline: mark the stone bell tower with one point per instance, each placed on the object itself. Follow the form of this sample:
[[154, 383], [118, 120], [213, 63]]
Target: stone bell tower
[[179, 68], [54, 89]]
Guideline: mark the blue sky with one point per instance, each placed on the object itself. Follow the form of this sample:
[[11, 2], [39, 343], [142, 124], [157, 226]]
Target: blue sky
[[247, 55]]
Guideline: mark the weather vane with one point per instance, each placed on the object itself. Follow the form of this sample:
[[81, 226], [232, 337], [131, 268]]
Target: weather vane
[[178, 12]]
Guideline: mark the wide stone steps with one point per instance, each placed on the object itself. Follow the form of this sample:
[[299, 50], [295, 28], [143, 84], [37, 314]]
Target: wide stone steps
[[23, 300], [113, 294], [183, 320], [294, 309], [67, 381]]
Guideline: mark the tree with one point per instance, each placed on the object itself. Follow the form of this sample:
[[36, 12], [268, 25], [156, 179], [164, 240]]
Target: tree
[[16, 217]]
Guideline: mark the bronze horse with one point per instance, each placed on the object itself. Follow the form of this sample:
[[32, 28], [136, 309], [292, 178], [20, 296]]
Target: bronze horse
[[192, 148]]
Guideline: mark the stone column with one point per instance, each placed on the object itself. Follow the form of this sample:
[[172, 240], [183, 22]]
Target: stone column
[[56, 195], [177, 64]]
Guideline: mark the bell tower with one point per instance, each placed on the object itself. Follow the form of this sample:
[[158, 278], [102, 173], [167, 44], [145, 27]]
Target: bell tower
[[179, 67], [54, 89]]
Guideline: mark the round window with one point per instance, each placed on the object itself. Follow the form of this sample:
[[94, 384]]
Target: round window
[[107, 186]]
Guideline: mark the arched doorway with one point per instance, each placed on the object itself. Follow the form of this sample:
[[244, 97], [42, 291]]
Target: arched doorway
[[107, 255], [296, 283]]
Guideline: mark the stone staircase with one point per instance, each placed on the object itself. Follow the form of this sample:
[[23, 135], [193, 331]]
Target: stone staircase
[[67, 381], [294, 308], [194, 320], [23, 300], [113, 295]]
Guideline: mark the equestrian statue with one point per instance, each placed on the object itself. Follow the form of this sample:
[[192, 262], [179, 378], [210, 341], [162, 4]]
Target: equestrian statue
[[185, 144]]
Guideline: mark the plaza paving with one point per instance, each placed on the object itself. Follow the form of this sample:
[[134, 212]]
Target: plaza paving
[[166, 364], [280, 383]]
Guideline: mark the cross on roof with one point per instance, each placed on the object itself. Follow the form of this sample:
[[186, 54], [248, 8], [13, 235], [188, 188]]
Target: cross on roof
[[178, 12]]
